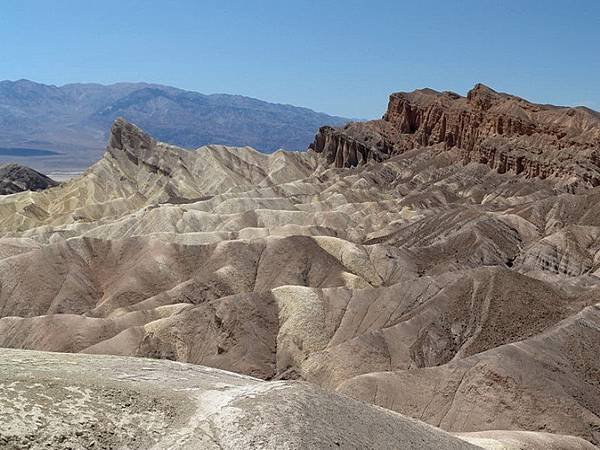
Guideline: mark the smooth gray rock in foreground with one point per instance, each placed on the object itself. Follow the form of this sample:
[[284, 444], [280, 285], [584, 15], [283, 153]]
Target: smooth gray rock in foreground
[[54, 400]]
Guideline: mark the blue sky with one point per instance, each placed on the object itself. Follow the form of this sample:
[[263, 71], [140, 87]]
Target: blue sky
[[341, 57]]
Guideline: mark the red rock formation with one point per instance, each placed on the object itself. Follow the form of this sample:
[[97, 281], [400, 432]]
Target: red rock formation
[[505, 132]]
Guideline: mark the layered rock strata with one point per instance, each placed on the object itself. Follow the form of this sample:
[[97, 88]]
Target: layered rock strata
[[505, 132]]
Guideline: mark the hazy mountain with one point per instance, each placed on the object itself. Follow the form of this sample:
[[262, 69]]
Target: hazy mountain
[[74, 119]]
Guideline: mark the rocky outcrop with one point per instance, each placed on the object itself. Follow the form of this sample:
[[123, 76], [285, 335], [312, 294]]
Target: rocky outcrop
[[16, 178], [128, 140], [504, 132], [352, 145]]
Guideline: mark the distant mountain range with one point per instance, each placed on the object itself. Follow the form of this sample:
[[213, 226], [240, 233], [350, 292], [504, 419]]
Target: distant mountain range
[[73, 119]]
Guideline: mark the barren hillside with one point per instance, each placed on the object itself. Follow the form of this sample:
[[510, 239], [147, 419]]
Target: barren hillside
[[442, 263]]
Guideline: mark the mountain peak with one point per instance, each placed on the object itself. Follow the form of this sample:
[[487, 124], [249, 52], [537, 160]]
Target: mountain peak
[[480, 87], [128, 144], [125, 135], [482, 96]]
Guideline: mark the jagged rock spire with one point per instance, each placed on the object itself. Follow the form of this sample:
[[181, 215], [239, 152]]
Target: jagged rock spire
[[125, 135]]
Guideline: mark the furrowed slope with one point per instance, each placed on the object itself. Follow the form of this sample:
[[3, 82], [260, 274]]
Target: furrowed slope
[[477, 289]]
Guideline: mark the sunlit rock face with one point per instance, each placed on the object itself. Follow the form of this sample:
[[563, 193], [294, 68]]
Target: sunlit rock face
[[506, 133]]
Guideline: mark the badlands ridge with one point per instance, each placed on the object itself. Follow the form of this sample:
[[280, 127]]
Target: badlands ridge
[[441, 263]]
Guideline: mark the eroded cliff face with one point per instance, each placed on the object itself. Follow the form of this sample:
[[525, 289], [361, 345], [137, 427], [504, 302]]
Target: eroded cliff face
[[505, 132], [352, 145]]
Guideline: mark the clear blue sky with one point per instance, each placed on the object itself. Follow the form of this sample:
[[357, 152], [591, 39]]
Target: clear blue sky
[[342, 57]]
